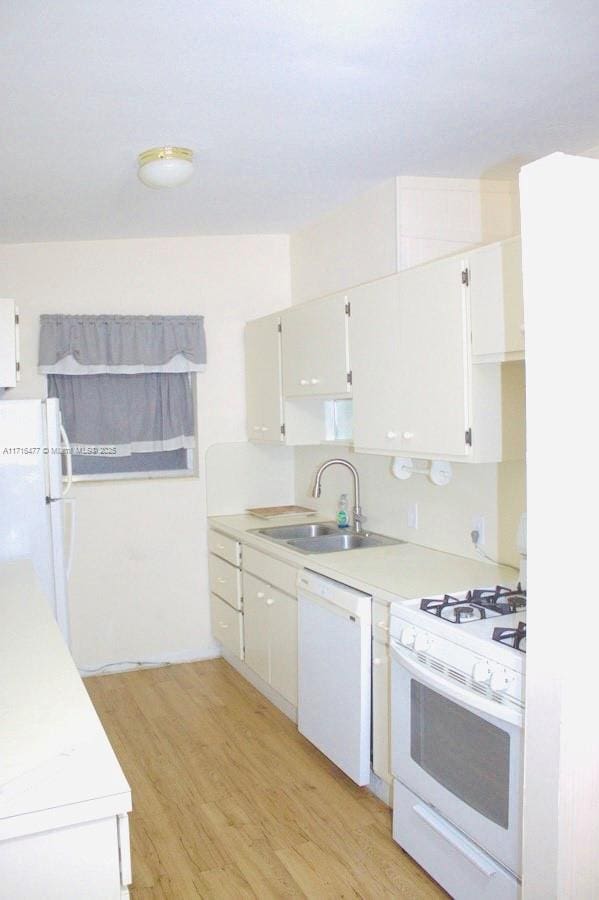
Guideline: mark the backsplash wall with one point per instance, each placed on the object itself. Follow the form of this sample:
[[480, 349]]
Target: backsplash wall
[[445, 514]]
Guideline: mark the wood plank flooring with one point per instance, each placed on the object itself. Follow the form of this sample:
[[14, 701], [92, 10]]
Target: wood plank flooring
[[230, 801]]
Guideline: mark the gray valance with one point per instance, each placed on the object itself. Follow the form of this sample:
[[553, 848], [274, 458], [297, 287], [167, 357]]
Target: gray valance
[[94, 345], [117, 415]]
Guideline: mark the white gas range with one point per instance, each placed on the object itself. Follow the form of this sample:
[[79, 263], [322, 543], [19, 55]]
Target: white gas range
[[458, 676]]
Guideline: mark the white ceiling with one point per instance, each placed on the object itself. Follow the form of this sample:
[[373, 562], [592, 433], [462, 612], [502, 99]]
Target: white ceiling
[[291, 107]]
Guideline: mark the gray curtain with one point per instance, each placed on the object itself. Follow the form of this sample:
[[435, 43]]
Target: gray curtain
[[123, 382], [92, 345]]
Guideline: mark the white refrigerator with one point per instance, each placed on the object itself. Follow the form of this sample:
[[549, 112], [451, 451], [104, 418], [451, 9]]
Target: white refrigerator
[[32, 498]]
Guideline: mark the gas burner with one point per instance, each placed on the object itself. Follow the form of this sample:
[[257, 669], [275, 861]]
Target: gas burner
[[512, 637], [503, 601], [452, 609]]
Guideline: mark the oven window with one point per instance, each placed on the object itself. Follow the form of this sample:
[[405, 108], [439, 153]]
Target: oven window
[[462, 751]]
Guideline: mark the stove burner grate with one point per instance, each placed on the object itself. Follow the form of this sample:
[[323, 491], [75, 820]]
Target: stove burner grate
[[512, 637]]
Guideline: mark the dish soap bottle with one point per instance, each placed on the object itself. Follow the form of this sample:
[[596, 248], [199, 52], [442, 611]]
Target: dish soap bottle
[[342, 512]]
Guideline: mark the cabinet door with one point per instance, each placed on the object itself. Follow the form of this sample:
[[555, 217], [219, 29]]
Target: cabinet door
[[256, 595], [496, 299], [263, 379], [374, 346], [9, 351], [283, 645], [381, 719], [315, 348], [434, 359]]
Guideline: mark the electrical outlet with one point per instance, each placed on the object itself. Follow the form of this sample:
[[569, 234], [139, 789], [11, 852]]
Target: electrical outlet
[[478, 524], [413, 515]]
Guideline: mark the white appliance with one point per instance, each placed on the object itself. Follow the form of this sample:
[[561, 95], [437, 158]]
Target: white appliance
[[31, 495], [457, 738], [334, 672]]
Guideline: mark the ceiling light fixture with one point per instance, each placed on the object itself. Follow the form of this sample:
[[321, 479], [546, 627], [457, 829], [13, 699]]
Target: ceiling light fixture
[[163, 167]]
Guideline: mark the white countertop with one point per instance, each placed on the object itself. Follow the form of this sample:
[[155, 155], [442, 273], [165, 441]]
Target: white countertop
[[397, 571], [56, 763]]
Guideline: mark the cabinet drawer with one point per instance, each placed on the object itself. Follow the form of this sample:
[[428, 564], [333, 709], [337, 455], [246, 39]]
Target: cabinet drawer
[[380, 621], [227, 625], [225, 547], [225, 580], [279, 574]]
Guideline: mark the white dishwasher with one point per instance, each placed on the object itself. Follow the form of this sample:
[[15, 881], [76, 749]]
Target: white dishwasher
[[334, 663]]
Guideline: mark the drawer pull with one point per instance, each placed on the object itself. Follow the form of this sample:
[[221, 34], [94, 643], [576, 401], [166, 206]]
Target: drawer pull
[[223, 624], [221, 580], [269, 601], [408, 435], [260, 595], [220, 546], [264, 428], [377, 662], [383, 625]]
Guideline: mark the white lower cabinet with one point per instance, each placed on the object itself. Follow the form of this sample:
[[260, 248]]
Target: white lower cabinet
[[227, 625], [90, 859], [270, 635], [381, 703]]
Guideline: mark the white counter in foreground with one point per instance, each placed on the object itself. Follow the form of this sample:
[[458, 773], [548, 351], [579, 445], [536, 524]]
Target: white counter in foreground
[[63, 797]]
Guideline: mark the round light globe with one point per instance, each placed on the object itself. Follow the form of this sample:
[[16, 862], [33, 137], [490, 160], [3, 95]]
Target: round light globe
[[165, 167]]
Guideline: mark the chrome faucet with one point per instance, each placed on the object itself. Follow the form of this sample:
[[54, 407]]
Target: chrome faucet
[[357, 508]]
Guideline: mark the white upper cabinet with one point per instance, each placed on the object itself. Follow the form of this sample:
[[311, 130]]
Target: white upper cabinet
[[409, 362], [263, 379], [496, 301], [375, 341], [315, 348], [9, 344], [432, 360]]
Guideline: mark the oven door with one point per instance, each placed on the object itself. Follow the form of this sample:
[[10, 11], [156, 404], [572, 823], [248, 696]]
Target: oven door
[[460, 752]]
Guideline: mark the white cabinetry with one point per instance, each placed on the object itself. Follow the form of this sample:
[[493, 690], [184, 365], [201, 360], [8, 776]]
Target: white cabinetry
[[381, 692], [315, 348], [226, 600], [270, 629], [433, 360], [418, 391], [496, 300], [263, 380], [9, 344]]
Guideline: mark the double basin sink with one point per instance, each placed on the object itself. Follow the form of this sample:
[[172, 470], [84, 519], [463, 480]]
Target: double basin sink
[[323, 537]]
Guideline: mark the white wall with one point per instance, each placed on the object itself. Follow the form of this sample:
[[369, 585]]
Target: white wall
[[560, 222], [444, 513], [139, 583]]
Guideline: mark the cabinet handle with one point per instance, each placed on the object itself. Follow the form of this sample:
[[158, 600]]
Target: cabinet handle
[[522, 329], [408, 435], [220, 546], [221, 580], [264, 428], [269, 601], [315, 381], [260, 595], [384, 626], [391, 435], [376, 661], [304, 381], [223, 624], [256, 428]]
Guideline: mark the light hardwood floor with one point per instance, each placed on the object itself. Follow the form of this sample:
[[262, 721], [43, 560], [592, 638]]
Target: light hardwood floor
[[230, 801]]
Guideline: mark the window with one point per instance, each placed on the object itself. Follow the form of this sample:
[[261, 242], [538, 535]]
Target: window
[[125, 389]]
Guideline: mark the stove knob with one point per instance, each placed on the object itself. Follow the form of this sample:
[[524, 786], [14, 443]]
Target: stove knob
[[407, 636], [481, 672], [500, 680], [422, 643]]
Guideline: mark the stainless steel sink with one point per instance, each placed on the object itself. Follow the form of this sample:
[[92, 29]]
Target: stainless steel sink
[[292, 532], [333, 543], [323, 537]]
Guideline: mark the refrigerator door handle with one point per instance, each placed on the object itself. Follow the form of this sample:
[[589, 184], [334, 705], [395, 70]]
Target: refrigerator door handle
[[67, 445]]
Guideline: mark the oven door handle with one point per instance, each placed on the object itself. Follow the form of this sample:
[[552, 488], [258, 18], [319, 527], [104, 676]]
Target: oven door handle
[[454, 691]]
